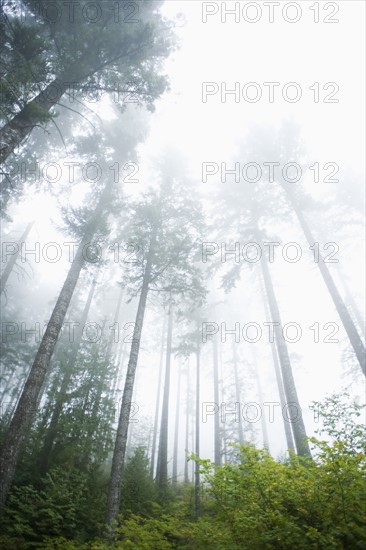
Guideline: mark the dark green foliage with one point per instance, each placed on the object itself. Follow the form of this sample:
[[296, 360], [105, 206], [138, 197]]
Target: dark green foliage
[[138, 488], [257, 503]]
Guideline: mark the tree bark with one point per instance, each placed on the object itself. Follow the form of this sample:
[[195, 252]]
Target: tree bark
[[281, 392], [340, 306], [114, 489], [237, 395], [60, 400], [263, 418], [157, 404], [176, 428], [162, 473], [186, 475], [20, 126], [11, 263], [197, 488], [217, 435], [296, 419]]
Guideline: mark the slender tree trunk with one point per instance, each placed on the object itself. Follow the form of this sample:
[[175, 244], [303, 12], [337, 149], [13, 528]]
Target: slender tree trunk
[[120, 362], [60, 400], [350, 300], [157, 404], [101, 383], [114, 489], [162, 473], [296, 419], [223, 429], [348, 294], [237, 395], [281, 392], [263, 418], [286, 425], [193, 423], [340, 306], [11, 263], [217, 436], [18, 128], [197, 488], [186, 475], [176, 428], [115, 321]]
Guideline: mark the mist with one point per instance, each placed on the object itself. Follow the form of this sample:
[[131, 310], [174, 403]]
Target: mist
[[182, 274]]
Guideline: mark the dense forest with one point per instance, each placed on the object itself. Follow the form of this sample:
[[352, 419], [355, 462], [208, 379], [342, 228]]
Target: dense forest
[[182, 265]]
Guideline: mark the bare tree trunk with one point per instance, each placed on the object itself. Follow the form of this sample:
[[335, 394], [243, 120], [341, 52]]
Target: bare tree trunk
[[157, 404], [263, 418], [186, 475], [217, 438], [57, 410], [296, 419], [223, 430], [11, 263], [281, 392], [162, 472], [350, 300], [197, 488], [340, 306], [114, 489], [237, 395], [18, 128], [176, 428]]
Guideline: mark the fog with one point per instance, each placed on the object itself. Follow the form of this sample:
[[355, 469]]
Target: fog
[[182, 243]]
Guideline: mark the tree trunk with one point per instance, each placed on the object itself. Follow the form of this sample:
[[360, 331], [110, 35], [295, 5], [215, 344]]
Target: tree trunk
[[237, 395], [115, 321], [186, 475], [286, 425], [296, 419], [340, 306], [217, 435], [60, 400], [18, 128], [11, 263], [263, 418], [351, 302], [162, 473], [197, 488], [114, 489], [176, 428], [157, 404], [101, 385], [281, 392]]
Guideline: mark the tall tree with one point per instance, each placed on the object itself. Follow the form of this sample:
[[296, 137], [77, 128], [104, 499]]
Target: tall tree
[[176, 425], [166, 224], [217, 433], [279, 381], [29, 400], [162, 472], [157, 403], [77, 51], [295, 414]]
